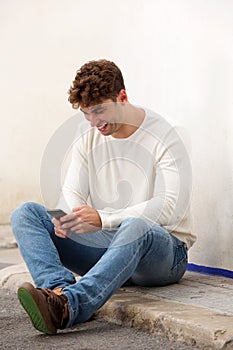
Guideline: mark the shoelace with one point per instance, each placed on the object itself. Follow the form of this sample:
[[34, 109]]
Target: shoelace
[[53, 298], [57, 301]]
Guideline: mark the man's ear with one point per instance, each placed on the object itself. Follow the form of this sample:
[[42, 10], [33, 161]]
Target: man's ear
[[122, 96]]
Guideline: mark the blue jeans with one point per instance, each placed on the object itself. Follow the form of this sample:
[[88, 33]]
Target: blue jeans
[[139, 252]]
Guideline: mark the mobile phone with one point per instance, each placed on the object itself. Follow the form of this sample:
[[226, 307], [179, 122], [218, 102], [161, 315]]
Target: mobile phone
[[56, 213]]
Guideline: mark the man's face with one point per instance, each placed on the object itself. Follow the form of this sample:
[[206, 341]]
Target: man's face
[[106, 117]]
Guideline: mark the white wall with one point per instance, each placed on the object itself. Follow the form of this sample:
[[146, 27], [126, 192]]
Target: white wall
[[176, 56]]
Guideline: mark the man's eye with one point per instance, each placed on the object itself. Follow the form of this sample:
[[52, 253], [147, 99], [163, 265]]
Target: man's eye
[[99, 111]]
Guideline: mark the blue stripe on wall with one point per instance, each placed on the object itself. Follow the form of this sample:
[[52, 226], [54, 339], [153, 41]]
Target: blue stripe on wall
[[213, 271]]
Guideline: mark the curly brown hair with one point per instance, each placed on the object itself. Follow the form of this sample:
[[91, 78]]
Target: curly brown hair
[[95, 82]]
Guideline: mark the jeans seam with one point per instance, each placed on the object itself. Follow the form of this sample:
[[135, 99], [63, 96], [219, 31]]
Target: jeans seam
[[102, 292], [183, 259]]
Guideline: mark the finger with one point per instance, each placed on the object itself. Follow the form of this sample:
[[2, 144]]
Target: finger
[[60, 234], [75, 209], [55, 222], [82, 208], [62, 231], [68, 217], [71, 225], [75, 228]]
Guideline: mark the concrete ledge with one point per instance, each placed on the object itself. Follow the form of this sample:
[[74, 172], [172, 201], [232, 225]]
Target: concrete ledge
[[158, 312], [176, 321], [13, 276], [197, 311]]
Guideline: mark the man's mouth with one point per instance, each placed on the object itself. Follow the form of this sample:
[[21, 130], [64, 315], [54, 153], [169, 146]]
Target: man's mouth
[[102, 126]]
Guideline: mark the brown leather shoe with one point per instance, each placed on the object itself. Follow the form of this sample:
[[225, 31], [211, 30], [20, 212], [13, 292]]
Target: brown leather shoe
[[47, 309]]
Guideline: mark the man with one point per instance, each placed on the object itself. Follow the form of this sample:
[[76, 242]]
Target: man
[[126, 195]]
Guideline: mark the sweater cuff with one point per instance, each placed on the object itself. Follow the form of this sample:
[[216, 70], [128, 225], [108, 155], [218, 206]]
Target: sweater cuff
[[111, 220]]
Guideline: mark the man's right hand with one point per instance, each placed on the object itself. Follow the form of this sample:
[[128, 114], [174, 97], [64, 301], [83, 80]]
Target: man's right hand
[[61, 231], [57, 231]]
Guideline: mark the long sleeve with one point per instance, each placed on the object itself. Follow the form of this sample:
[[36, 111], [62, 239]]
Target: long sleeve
[[147, 175], [75, 189], [169, 201]]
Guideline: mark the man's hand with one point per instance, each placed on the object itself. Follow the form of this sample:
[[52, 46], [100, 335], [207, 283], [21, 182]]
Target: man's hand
[[83, 219]]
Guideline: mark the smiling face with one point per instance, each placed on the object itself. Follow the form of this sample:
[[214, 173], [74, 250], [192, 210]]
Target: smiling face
[[99, 91], [108, 116]]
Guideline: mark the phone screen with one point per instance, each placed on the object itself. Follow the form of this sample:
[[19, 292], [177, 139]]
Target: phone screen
[[56, 213]]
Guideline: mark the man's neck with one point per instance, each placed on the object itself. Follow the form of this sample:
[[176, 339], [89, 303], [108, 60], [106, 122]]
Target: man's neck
[[134, 117]]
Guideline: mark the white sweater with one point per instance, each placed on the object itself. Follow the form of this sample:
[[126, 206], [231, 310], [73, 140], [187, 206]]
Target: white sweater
[[146, 175]]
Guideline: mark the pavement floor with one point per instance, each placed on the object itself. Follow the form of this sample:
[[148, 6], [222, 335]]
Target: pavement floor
[[198, 311], [17, 333]]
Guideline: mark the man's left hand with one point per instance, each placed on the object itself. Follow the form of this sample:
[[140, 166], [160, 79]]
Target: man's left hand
[[83, 219]]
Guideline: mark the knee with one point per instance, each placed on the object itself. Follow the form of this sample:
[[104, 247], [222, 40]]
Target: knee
[[23, 211], [131, 230], [138, 224]]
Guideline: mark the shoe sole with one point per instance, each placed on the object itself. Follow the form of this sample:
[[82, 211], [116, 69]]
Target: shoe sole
[[33, 311]]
